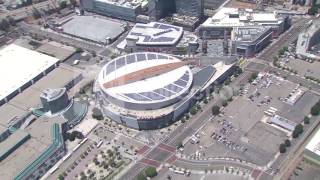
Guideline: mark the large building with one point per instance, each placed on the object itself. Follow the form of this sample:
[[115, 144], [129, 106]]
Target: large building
[[161, 8], [226, 19], [307, 39], [312, 150], [151, 90], [122, 9], [20, 68], [248, 41], [159, 37]]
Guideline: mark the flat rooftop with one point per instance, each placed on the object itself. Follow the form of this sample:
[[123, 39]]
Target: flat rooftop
[[41, 138], [304, 43], [249, 34], [9, 112], [124, 3], [19, 65], [314, 144], [235, 17], [93, 28], [155, 33]]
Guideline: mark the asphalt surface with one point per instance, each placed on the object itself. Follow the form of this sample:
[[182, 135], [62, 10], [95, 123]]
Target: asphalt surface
[[24, 27]]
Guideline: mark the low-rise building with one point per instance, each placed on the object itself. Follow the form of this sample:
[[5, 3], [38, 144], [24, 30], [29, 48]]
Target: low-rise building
[[226, 19], [122, 9], [159, 37], [307, 39], [312, 150], [248, 41]]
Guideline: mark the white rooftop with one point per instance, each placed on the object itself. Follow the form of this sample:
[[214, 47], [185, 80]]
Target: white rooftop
[[155, 33], [19, 65], [147, 84], [124, 3], [235, 17], [314, 144]]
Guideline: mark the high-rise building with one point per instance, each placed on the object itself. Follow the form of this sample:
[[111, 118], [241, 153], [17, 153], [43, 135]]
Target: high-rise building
[[161, 8], [190, 7]]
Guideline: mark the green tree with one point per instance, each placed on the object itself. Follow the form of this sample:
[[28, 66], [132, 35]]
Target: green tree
[[299, 128], [60, 177], [79, 50], [141, 176], [287, 142], [11, 20], [179, 144], [253, 77], [62, 4], [4, 25], [215, 110], [315, 110], [306, 120], [150, 172], [97, 114], [36, 13], [73, 3], [193, 111], [282, 148], [224, 103]]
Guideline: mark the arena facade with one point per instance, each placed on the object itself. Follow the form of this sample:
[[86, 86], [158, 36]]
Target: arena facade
[[149, 90]]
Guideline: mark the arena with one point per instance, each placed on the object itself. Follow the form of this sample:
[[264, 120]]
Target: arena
[[149, 90]]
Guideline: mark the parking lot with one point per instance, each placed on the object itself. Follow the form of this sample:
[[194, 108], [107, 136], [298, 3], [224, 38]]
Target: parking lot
[[242, 129], [304, 68]]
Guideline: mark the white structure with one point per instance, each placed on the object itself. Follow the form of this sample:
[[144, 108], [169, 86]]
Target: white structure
[[155, 33], [312, 150], [307, 39], [228, 18], [123, 9], [21, 67], [158, 37]]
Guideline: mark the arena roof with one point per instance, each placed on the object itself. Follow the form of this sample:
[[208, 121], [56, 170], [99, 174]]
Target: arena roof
[[155, 33], [159, 87], [19, 65]]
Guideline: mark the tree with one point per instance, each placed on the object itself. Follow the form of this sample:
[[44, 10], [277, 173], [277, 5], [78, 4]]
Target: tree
[[282, 148], [150, 172], [287, 143], [60, 177], [253, 77], [306, 120], [62, 4], [11, 20], [4, 25], [299, 128], [179, 144], [141, 176], [97, 114], [315, 110], [215, 110], [36, 13], [224, 103], [79, 50], [73, 3], [193, 111]]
